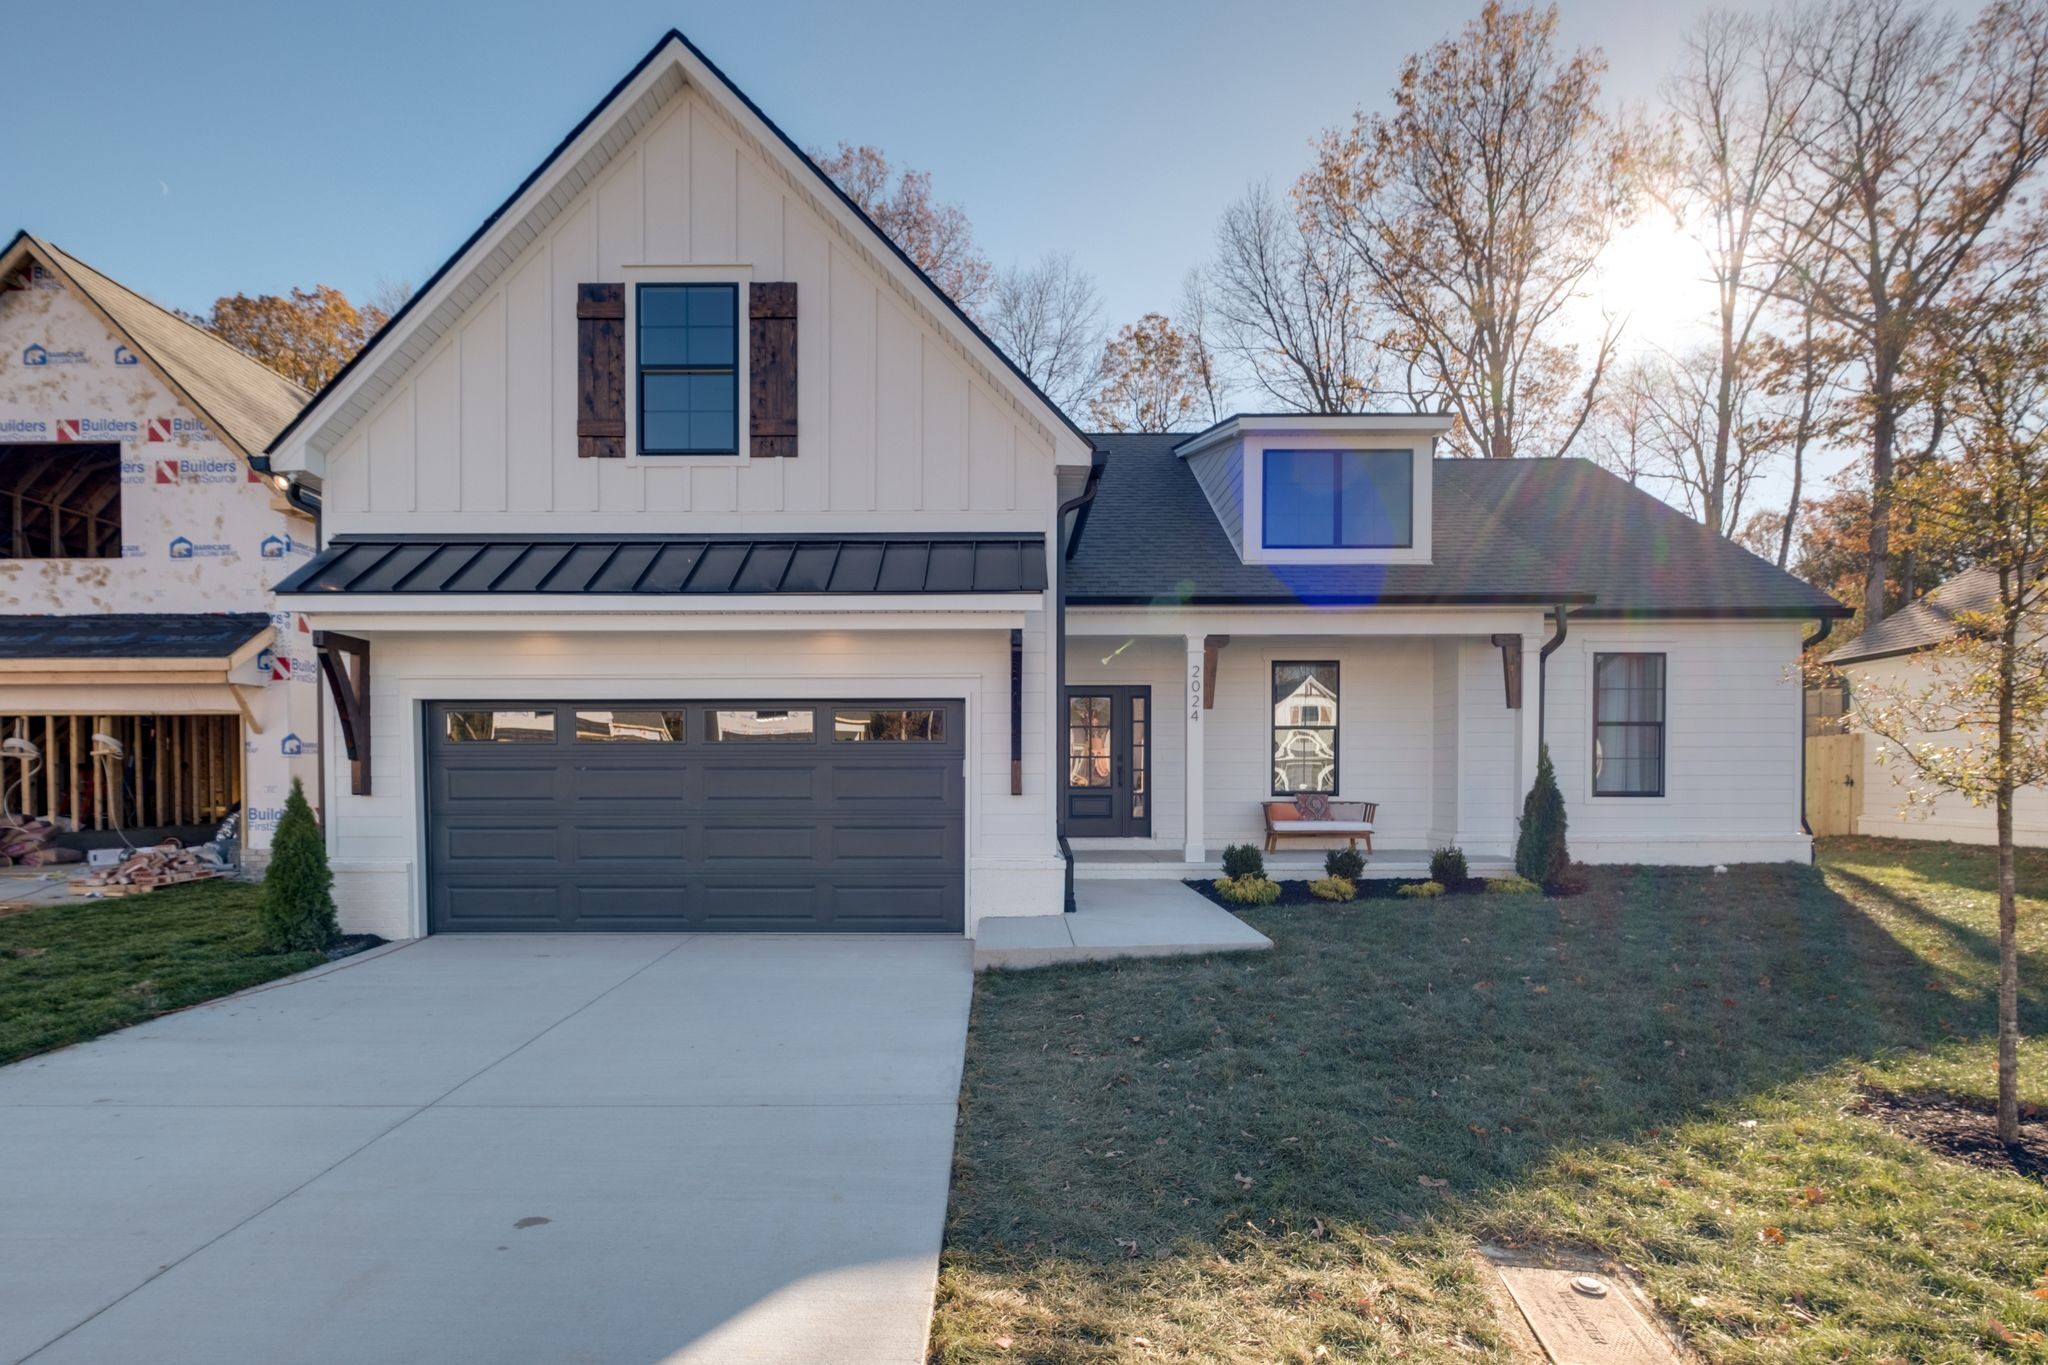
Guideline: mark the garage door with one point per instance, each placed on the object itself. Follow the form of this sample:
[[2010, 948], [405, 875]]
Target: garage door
[[799, 816]]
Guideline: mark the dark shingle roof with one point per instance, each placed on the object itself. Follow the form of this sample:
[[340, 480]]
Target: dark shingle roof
[[139, 635], [1926, 623], [1503, 531], [666, 565]]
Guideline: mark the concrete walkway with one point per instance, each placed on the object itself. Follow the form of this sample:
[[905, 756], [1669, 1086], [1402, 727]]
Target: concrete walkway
[[533, 1148], [1115, 919]]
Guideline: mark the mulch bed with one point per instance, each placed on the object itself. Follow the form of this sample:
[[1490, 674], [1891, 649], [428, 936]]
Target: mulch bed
[[348, 945], [1964, 1130], [1369, 889]]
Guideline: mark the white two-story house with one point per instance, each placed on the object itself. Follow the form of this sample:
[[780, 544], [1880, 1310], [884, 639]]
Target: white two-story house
[[689, 561]]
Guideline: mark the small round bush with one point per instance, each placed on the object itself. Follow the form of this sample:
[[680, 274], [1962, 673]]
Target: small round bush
[[1420, 890], [1347, 863], [1512, 886], [1333, 889], [1248, 890], [1447, 865], [1243, 860]]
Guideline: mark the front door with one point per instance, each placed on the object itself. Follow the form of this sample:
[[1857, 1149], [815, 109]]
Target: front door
[[1109, 747]]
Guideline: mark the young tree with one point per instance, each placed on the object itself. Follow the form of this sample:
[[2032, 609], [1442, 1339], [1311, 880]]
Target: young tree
[[1048, 317], [1289, 305], [1914, 137], [1974, 720], [1150, 378], [1734, 102], [936, 236], [1540, 851], [306, 336], [1477, 210], [298, 899]]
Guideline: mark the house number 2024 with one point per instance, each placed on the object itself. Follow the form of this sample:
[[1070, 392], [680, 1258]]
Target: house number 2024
[[1195, 693]]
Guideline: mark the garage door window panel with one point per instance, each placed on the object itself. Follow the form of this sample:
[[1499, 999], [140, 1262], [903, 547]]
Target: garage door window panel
[[501, 727], [629, 727], [888, 726], [760, 727]]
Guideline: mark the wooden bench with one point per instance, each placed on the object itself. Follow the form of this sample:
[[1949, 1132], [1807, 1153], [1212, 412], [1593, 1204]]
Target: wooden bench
[[1352, 820]]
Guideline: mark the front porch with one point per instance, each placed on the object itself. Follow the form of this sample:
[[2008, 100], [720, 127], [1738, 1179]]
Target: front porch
[[1181, 724], [1107, 862]]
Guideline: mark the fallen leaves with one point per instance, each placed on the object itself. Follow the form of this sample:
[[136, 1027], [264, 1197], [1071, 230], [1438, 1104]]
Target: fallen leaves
[[1773, 1235], [1430, 1182]]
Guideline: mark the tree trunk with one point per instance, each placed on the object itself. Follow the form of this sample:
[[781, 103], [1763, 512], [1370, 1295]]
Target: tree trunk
[[1884, 434], [1792, 506], [2008, 909]]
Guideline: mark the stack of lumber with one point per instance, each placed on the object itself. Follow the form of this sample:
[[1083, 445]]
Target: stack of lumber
[[25, 842], [145, 870]]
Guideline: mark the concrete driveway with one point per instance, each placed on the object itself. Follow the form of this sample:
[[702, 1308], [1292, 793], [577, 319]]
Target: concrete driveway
[[534, 1148]]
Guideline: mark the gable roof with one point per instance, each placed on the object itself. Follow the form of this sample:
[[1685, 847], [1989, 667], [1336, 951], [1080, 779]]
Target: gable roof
[[576, 162], [1926, 623], [242, 400], [1505, 531]]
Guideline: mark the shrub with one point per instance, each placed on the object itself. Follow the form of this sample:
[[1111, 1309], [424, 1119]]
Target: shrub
[[298, 899], [1333, 889], [1250, 889], [1540, 852], [1347, 863], [1512, 886], [1243, 860], [1420, 890], [1447, 865]]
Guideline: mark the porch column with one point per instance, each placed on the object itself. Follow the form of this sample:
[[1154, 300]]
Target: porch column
[[1193, 848]]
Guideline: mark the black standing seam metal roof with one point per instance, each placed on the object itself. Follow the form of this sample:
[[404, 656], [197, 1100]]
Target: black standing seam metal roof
[[666, 566], [135, 635], [1532, 531]]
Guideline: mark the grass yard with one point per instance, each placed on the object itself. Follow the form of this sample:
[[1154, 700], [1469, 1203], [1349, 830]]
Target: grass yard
[[75, 970], [1290, 1156]]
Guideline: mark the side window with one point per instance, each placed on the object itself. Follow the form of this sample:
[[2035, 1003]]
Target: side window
[[1304, 727], [687, 351], [63, 502], [1628, 725]]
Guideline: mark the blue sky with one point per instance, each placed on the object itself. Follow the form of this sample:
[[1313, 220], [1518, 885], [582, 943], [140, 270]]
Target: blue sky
[[194, 150]]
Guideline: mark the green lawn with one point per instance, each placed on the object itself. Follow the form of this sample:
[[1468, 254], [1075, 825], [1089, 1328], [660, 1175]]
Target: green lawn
[[75, 970], [1236, 1158]]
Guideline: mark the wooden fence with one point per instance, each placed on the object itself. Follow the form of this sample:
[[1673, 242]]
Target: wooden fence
[[175, 770], [1834, 783]]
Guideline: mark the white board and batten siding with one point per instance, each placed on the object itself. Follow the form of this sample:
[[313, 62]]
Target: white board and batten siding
[[897, 429], [1890, 808], [1732, 744]]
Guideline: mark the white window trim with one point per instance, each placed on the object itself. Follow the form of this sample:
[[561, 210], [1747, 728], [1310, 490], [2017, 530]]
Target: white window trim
[[1590, 652], [742, 278], [1420, 447]]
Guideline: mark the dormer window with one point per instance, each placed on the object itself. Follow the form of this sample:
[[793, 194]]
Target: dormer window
[[1339, 499]]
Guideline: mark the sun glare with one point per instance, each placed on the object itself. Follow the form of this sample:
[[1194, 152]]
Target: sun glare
[[1652, 278]]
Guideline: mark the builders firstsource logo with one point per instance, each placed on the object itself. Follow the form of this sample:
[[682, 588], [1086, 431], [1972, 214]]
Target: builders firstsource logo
[[97, 429], [209, 469], [175, 428], [24, 426]]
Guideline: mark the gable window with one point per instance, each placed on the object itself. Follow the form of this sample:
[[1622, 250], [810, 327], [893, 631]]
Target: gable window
[[687, 353], [1304, 727], [1628, 725], [61, 501], [1339, 499]]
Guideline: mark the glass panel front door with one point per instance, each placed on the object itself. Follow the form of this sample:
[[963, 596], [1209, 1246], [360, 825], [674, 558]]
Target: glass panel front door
[[1108, 787]]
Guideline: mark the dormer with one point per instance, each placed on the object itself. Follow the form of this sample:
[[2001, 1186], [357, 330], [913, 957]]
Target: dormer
[[1320, 488]]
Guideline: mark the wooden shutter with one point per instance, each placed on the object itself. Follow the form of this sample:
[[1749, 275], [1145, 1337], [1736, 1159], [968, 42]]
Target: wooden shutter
[[771, 404], [600, 371]]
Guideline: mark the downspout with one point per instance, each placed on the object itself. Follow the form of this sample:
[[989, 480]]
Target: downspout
[[1827, 626], [1078, 505], [1543, 673]]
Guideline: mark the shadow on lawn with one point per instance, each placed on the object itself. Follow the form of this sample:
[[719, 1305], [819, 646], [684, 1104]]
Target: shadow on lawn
[[1467, 1041]]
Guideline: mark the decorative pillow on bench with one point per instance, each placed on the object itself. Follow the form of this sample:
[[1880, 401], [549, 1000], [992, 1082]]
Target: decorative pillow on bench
[[1313, 806]]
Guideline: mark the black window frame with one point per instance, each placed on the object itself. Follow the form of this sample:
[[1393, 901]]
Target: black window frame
[[1273, 726], [641, 369], [1336, 454], [1662, 725]]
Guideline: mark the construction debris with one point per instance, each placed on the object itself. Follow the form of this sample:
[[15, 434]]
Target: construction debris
[[168, 864], [25, 841]]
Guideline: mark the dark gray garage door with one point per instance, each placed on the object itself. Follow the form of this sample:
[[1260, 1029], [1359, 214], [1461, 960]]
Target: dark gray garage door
[[817, 816]]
